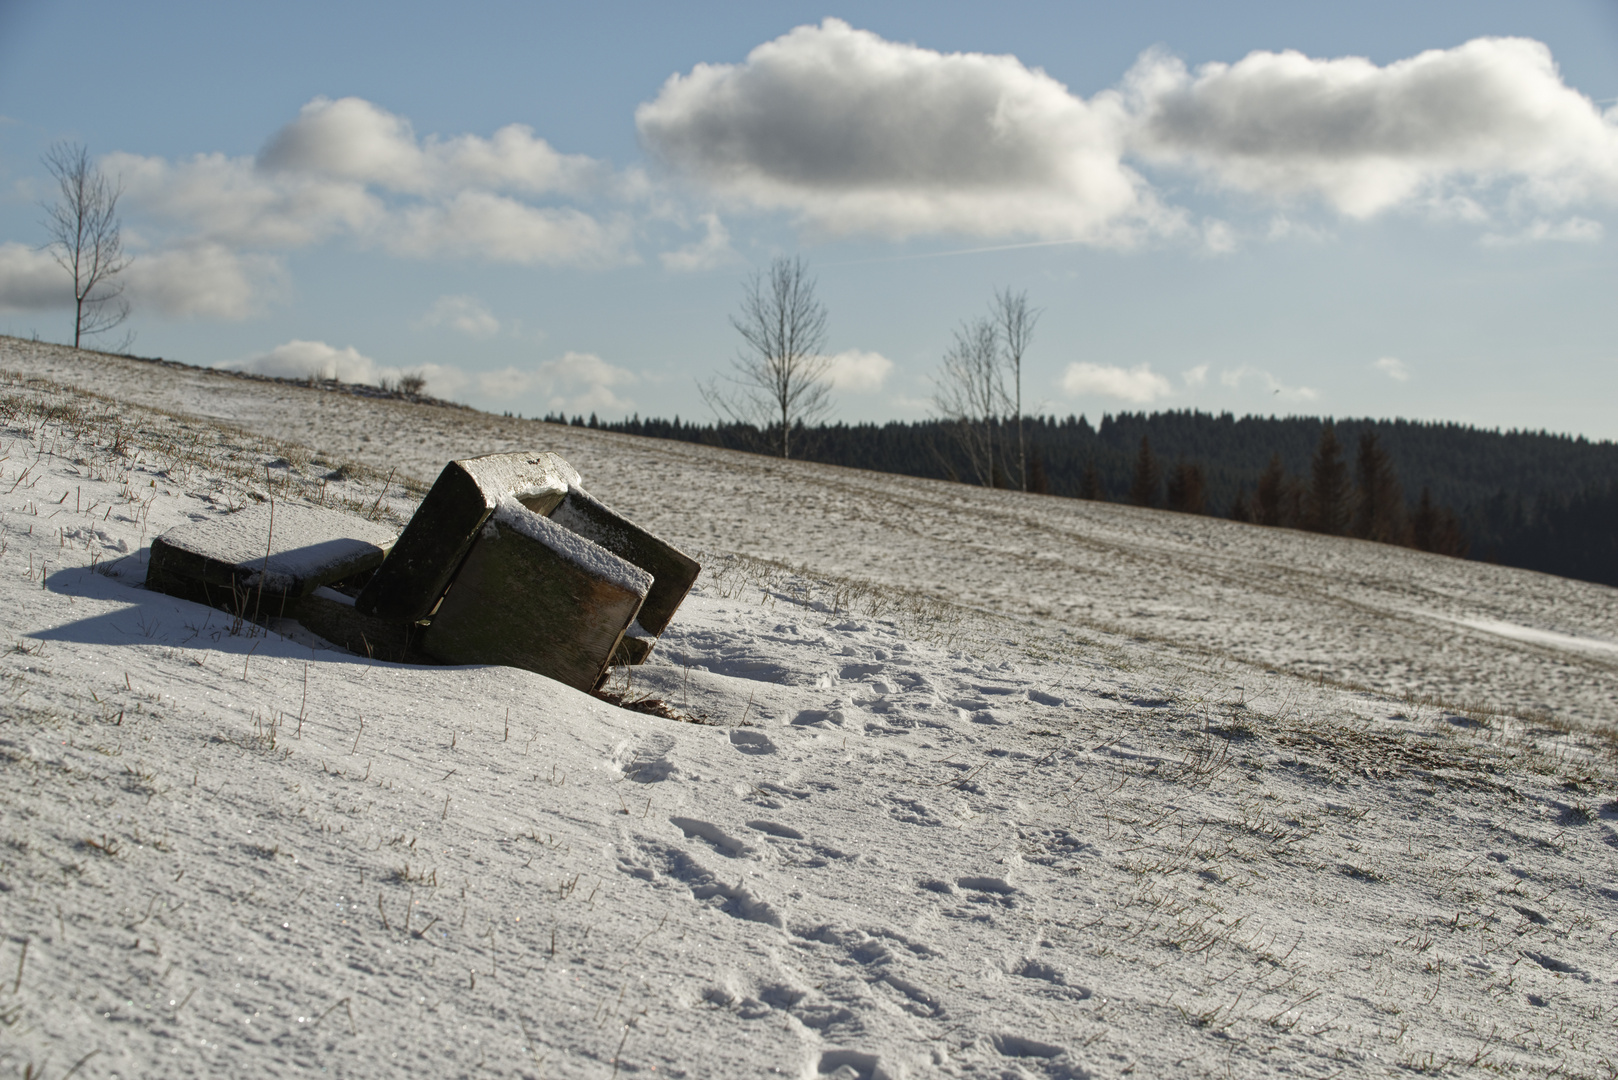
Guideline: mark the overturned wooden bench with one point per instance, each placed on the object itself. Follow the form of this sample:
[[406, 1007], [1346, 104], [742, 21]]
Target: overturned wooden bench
[[508, 560]]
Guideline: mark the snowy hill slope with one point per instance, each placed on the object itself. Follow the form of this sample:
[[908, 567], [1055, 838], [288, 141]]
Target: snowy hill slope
[[915, 839], [1397, 621]]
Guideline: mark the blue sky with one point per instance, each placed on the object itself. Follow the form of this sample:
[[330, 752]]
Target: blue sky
[[1376, 209]]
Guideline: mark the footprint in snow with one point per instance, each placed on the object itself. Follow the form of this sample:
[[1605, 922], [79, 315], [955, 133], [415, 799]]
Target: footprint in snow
[[752, 742], [1020, 1046], [645, 762], [654, 858], [722, 841]]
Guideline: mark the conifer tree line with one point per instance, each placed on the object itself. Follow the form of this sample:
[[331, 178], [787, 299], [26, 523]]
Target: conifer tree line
[[1531, 499]]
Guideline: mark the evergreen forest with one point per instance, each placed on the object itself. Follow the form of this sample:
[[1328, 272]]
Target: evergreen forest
[[1522, 498]]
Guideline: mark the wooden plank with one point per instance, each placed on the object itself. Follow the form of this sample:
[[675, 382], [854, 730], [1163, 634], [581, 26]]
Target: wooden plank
[[259, 563]]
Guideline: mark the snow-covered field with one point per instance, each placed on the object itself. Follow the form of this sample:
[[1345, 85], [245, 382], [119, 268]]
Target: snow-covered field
[[991, 784]]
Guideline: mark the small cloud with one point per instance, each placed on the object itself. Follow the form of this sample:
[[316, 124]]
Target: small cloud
[[205, 280], [1218, 238], [576, 383], [712, 250], [316, 359], [467, 314], [310, 359], [1138, 386], [198, 280], [1196, 376], [1244, 375], [31, 280], [1283, 227], [858, 371], [479, 224], [1575, 230], [1393, 368]]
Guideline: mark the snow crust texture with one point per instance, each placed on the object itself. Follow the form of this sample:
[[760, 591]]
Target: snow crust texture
[[576, 549], [496, 473], [908, 837]]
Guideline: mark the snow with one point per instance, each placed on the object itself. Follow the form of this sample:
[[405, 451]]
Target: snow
[[594, 558], [1540, 637], [499, 474], [991, 785], [1353, 613]]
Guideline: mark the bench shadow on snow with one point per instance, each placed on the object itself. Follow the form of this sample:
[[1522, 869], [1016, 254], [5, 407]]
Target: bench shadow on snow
[[154, 618]]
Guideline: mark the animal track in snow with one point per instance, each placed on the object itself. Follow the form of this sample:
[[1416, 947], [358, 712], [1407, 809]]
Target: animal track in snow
[[989, 890], [797, 849], [774, 829], [646, 762], [1038, 969], [913, 812], [1054, 1059], [737, 901], [762, 791], [722, 841], [850, 1065], [752, 742]]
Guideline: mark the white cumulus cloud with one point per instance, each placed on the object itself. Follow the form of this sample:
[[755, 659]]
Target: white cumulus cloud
[[1247, 375], [1575, 230], [31, 280], [1365, 138], [231, 201], [575, 383], [349, 168], [858, 371], [204, 280], [1138, 385], [1394, 368], [315, 359], [356, 140], [467, 314], [193, 281], [310, 359], [502, 229], [712, 250], [856, 133]]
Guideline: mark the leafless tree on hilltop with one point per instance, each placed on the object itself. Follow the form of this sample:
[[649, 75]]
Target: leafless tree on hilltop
[[86, 239], [779, 377], [970, 393]]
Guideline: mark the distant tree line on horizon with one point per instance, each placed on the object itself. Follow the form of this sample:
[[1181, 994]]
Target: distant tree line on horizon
[[1529, 499]]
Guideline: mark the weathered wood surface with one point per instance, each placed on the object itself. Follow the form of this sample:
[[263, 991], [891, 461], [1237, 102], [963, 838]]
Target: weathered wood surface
[[436, 541], [673, 571], [335, 618], [529, 602], [260, 563], [633, 648]]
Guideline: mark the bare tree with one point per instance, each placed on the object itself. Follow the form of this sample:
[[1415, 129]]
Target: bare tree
[[1014, 321], [86, 239], [971, 393], [779, 377]]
